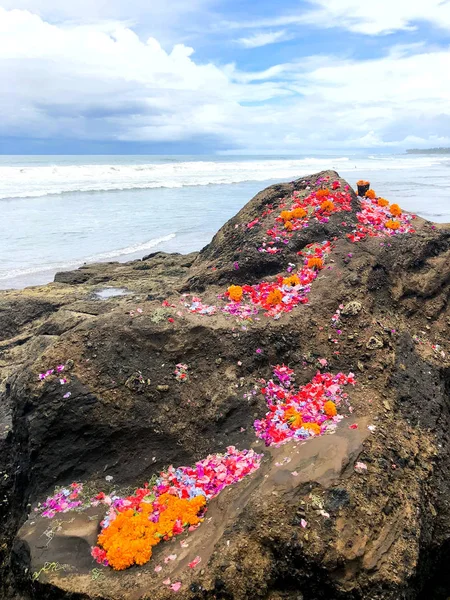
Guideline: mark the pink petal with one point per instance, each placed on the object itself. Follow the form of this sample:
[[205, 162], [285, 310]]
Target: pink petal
[[195, 562], [176, 586], [166, 581], [158, 568], [170, 557]]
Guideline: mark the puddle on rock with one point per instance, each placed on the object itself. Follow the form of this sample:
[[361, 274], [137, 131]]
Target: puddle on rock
[[107, 293]]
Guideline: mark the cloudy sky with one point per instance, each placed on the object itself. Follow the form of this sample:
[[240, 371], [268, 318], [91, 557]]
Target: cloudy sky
[[202, 76]]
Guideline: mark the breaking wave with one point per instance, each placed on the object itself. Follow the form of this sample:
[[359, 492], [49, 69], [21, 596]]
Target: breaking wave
[[37, 181], [103, 256]]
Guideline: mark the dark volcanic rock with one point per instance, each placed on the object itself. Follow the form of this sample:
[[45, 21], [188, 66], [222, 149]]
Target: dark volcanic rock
[[235, 242], [17, 313], [72, 277], [307, 525]]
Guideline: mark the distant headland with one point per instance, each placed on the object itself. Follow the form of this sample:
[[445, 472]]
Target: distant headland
[[428, 151]]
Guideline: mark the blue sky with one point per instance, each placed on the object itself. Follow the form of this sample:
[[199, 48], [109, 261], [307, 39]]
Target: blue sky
[[223, 76]]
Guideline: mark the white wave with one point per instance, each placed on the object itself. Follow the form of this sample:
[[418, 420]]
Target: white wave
[[103, 256], [37, 181], [42, 180], [131, 249]]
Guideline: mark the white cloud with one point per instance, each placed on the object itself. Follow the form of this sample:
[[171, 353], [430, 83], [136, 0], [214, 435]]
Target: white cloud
[[90, 82], [170, 22], [372, 103], [264, 39], [383, 16], [107, 10], [102, 82], [361, 16]]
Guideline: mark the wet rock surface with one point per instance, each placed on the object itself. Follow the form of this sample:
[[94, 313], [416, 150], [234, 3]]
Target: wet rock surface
[[377, 531]]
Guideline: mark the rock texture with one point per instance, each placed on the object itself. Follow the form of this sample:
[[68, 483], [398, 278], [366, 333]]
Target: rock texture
[[387, 534]]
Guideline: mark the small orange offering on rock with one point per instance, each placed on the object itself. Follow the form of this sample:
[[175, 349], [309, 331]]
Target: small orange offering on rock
[[330, 408], [299, 213], [371, 194], [382, 202], [391, 224], [294, 418], [362, 186], [395, 210], [293, 280], [235, 293], [327, 206], [275, 297], [315, 263], [286, 215]]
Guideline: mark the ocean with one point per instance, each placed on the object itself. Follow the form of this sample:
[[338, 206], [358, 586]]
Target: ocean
[[59, 212]]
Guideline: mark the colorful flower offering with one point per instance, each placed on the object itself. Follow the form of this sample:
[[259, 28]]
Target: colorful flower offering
[[181, 372], [177, 501], [197, 306], [300, 414], [63, 499], [376, 219], [283, 294], [130, 537], [319, 205], [210, 476]]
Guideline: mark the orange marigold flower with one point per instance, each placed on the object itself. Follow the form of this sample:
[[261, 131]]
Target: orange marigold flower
[[286, 215], [322, 193], [294, 418], [235, 293], [362, 182], [395, 210], [327, 206], [371, 194], [275, 297], [313, 427], [330, 408], [288, 225], [391, 224], [315, 263], [130, 537], [299, 213], [293, 280], [383, 202]]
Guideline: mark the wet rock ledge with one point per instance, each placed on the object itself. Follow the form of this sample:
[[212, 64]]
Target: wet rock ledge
[[363, 513]]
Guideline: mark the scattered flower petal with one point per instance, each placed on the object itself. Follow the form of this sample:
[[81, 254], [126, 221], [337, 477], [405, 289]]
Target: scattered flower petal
[[195, 562], [360, 466]]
